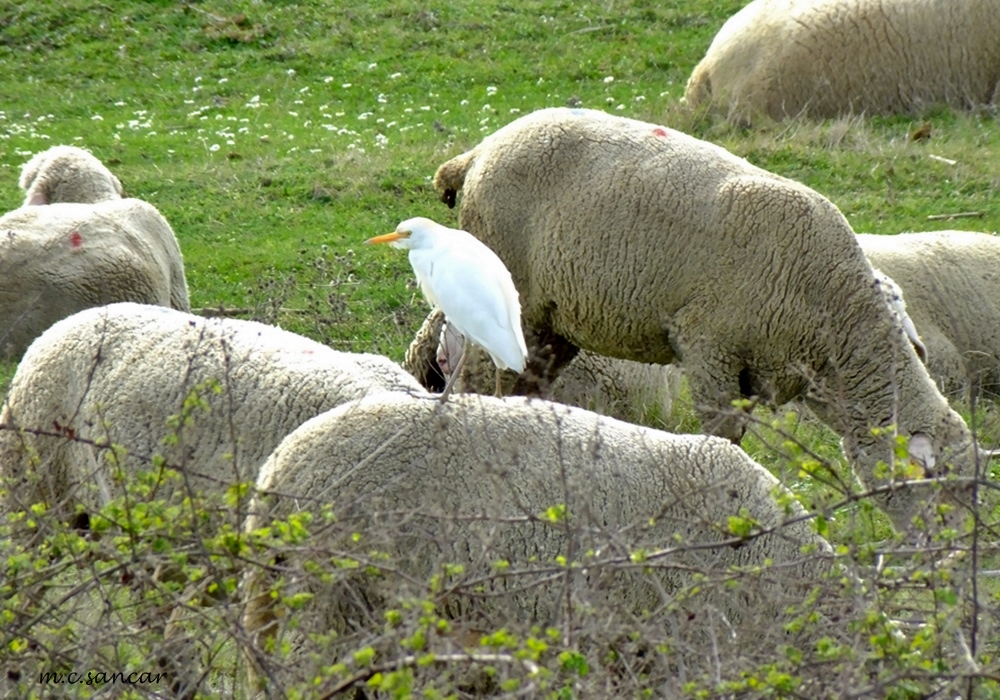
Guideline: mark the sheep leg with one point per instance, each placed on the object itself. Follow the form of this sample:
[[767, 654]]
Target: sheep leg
[[718, 417], [714, 384], [548, 353], [422, 356], [456, 371]]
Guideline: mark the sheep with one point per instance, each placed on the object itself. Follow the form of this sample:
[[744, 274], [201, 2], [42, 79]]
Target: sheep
[[510, 486], [639, 242], [123, 405], [825, 58], [67, 256], [58, 259], [213, 397], [67, 174], [951, 281], [612, 387]]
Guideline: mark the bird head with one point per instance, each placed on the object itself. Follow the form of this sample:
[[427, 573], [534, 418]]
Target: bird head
[[409, 234]]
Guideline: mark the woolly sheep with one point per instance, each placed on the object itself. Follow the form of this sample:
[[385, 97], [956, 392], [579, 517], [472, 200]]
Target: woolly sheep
[[67, 174], [637, 241], [121, 374], [469, 482], [824, 58], [67, 256], [612, 387], [58, 259], [951, 281]]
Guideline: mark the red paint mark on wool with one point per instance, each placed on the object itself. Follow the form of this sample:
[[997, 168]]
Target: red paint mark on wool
[[75, 239], [660, 131]]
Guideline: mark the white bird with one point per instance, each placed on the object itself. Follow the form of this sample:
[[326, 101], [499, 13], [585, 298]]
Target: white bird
[[466, 280]]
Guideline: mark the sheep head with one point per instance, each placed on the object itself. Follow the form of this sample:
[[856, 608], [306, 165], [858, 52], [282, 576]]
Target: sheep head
[[67, 174]]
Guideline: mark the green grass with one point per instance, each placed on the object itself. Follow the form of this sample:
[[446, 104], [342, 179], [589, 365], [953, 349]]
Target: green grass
[[258, 130]]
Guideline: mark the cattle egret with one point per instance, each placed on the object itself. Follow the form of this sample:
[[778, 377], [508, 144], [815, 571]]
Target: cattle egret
[[466, 280]]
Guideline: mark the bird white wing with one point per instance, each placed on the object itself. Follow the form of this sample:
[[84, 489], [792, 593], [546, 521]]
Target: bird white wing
[[474, 289]]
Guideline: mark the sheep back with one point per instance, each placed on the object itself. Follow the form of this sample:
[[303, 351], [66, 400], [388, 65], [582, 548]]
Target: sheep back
[[211, 396], [58, 259], [823, 58], [471, 482], [626, 206], [951, 283]]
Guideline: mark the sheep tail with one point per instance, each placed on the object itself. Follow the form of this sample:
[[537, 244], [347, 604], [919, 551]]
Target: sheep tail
[[450, 177]]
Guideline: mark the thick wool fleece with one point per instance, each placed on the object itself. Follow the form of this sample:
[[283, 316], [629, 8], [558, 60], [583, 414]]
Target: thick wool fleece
[[469, 482], [824, 58], [951, 283], [122, 374], [636, 241], [58, 259]]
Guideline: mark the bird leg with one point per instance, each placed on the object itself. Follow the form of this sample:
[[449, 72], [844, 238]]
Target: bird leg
[[454, 373]]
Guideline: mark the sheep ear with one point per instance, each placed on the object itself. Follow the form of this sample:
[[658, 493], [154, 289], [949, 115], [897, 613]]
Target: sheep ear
[[921, 451], [36, 197]]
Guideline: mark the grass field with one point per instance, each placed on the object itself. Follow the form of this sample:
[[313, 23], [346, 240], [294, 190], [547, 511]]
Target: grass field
[[277, 137]]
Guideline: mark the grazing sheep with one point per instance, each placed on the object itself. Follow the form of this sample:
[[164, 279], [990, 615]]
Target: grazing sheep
[[612, 387], [212, 396], [506, 488], [85, 247], [58, 259], [951, 280], [824, 58], [67, 174], [637, 241]]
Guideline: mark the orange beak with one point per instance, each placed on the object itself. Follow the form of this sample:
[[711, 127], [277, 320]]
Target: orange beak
[[386, 238]]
